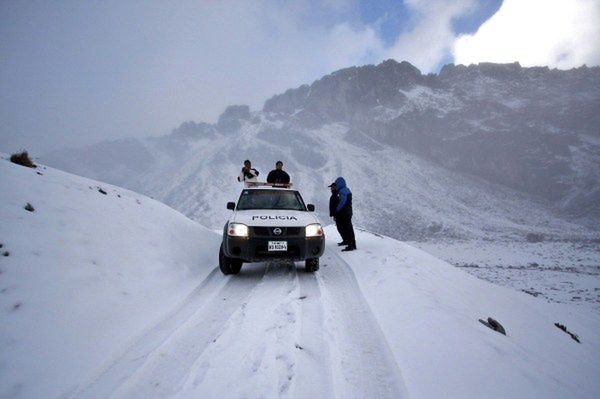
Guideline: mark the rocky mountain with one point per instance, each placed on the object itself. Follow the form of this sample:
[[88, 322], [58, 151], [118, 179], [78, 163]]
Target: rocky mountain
[[488, 150], [533, 129]]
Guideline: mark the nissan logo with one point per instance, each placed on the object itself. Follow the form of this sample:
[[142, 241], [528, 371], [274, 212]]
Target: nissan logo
[[277, 231]]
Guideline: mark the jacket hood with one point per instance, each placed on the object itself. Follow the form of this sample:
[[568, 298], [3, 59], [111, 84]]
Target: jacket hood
[[340, 183]]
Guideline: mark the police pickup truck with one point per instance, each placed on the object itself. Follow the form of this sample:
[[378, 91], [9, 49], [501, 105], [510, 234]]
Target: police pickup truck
[[270, 221]]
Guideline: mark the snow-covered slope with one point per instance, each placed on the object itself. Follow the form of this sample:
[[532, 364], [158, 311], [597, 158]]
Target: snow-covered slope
[[116, 295], [428, 311], [83, 274], [396, 193]]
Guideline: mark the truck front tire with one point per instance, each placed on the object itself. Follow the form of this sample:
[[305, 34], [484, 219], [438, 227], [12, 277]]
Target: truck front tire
[[312, 265], [228, 265]]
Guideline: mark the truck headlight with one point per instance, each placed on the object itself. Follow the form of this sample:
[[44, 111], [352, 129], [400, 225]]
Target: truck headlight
[[314, 230], [237, 230]]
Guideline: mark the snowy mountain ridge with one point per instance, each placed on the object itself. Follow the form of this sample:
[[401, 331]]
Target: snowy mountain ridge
[[105, 292], [502, 149], [525, 128]]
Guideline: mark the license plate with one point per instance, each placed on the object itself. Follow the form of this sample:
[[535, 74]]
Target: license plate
[[277, 245]]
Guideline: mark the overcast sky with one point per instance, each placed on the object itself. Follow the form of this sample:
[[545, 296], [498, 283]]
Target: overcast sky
[[78, 72]]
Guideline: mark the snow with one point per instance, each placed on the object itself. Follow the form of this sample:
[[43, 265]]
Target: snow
[[515, 103], [429, 311], [414, 193], [564, 272], [119, 296], [421, 98], [86, 273]]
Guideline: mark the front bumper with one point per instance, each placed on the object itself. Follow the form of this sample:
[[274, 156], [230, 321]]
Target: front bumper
[[255, 249]]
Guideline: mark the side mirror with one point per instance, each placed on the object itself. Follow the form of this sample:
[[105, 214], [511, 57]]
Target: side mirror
[[310, 207], [231, 205]]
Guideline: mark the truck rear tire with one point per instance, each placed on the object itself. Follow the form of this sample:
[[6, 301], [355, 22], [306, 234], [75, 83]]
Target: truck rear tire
[[312, 265]]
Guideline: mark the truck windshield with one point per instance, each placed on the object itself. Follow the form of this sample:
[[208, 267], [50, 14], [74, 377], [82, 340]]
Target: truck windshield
[[271, 199]]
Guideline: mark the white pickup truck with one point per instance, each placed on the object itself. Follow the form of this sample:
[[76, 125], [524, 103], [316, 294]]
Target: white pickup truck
[[271, 222]]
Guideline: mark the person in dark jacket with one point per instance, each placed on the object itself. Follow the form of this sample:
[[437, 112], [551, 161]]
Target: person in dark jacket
[[278, 175], [333, 202], [343, 214]]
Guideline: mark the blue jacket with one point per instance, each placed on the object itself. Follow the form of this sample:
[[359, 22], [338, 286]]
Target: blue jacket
[[345, 197]]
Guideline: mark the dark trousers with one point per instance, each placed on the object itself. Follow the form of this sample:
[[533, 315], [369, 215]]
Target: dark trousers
[[337, 225], [344, 225]]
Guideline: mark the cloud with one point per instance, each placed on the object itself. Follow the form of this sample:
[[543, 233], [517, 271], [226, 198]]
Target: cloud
[[84, 72], [557, 33], [431, 37], [245, 52]]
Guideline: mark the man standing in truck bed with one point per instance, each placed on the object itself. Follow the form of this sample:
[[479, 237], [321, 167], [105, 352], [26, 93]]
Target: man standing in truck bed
[[248, 173], [278, 175]]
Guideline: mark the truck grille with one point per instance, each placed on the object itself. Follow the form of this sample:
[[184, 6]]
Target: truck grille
[[285, 231]]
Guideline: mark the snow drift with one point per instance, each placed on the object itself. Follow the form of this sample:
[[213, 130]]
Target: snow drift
[[89, 269]]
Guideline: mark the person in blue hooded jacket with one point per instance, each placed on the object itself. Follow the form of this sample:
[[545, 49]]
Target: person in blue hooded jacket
[[343, 214]]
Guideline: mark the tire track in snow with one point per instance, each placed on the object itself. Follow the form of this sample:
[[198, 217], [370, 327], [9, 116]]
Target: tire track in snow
[[153, 365], [314, 378], [363, 363], [271, 331], [255, 356]]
